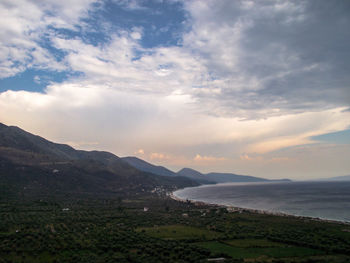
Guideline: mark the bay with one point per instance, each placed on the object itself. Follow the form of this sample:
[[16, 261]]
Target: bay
[[325, 200]]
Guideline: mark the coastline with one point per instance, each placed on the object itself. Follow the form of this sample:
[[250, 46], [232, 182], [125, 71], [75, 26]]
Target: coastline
[[235, 209]]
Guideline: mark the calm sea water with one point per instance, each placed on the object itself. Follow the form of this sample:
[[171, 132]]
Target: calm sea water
[[326, 200]]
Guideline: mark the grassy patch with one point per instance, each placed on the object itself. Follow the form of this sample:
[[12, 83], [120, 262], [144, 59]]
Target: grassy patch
[[251, 243], [218, 247], [179, 232], [255, 252]]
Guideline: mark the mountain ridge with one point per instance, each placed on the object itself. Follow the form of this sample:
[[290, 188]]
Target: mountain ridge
[[148, 167], [219, 177], [336, 178], [36, 157], [30, 163], [208, 178]]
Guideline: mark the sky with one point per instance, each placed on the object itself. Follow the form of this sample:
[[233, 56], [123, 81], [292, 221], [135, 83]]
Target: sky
[[249, 87]]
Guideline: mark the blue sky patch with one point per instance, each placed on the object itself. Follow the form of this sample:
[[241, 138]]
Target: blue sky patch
[[33, 80], [162, 23], [341, 137]]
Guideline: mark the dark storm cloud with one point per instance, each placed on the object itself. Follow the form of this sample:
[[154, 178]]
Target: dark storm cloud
[[320, 44], [292, 56]]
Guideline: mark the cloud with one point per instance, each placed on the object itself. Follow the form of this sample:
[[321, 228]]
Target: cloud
[[119, 65], [37, 79], [159, 156], [225, 63], [263, 159], [140, 152], [148, 120], [131, 4], [270, 58], [199, 158], [24, 28], [300, 162], [246, 157]]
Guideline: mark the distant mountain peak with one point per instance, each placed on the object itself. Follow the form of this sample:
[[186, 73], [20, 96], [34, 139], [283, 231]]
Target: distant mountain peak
[[218, 177], [189, 171]]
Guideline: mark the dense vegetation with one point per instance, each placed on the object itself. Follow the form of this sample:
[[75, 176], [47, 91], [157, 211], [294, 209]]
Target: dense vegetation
[[84, 228]]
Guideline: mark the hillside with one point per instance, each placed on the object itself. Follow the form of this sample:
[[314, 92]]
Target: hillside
[[229, 177], [32, 165], [195, 175], [218, 177], [209, 178], [147, 167]]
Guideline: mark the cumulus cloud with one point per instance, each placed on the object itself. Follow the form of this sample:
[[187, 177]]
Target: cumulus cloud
[[262, 159], [200, 158], [140, 152], [25, 24], [159, 156], [133, 120]]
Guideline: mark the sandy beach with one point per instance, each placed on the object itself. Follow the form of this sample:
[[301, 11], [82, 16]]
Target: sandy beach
[[234, 209]]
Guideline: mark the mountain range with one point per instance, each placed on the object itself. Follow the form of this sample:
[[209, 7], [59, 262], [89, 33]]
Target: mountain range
[[32, 164], [336, 178], [209, 178]]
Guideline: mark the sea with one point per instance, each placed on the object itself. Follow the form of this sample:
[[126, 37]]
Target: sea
[[323, 200]]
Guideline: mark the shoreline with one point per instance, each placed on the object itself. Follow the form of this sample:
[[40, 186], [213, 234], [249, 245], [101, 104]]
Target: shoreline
[[235, 209]]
